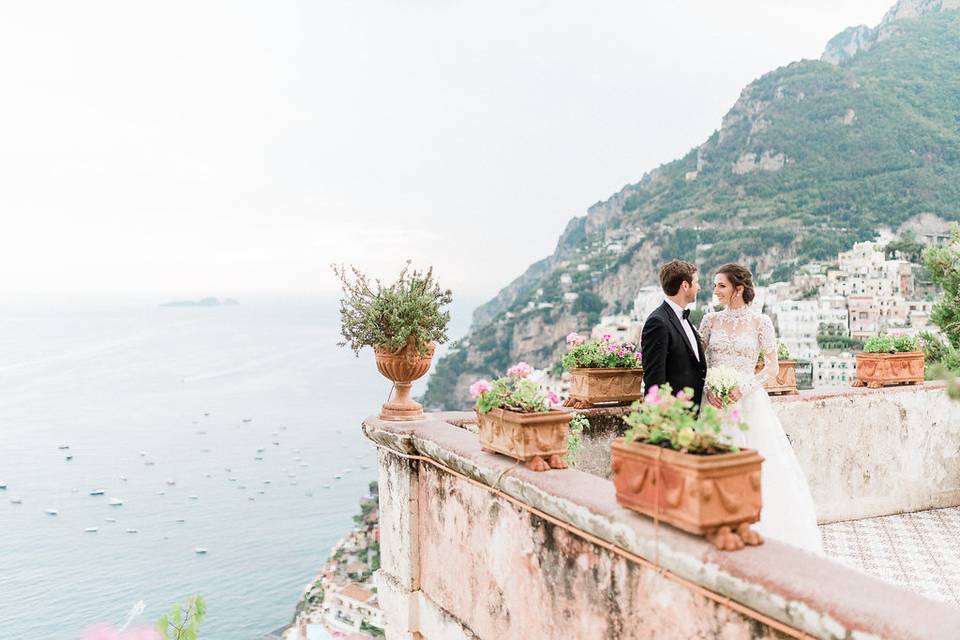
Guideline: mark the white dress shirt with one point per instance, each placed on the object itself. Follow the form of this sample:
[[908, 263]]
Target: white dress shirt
[[691, 336]]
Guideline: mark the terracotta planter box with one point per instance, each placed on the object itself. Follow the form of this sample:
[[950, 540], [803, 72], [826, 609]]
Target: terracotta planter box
[[786, 381], [539, 439], [705, 495], [598, 386], [875, 370]]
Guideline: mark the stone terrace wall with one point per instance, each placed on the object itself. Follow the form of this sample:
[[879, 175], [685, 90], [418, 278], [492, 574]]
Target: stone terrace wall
[[475, 546], [866, 452]]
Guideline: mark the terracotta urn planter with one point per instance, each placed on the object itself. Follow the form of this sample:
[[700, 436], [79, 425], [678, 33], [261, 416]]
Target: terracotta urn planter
[[539, 439], [589, 387], [717, 496], [403, 366], [786, 381], [875, 370]]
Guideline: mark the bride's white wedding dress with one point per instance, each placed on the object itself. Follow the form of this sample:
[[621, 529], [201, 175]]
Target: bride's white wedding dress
[[734, 338]]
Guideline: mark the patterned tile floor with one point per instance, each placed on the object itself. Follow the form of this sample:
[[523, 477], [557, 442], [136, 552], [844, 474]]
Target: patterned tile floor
[[919, 551]]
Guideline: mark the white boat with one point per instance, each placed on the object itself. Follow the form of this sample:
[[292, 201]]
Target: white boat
[[91, 530], [363, 466], [97, 492], [52, 512], [115, 502], [283, 428], [347, 470], [266, 482], [16, 500], [260, 449], [143, 453], [69, 457], [131, 531], [296, 450], [232, 479], [326, 486], [63, 446], [251, 498], [124, 478], [276, 443], [205, 450], [291, 475], [248, 419], [337, 477], [192, 498], [181, 520], [161, 492], [304, 464], [149, 463], [258, 457], [207, 475], [199, 551], [111, 519], [3, 486], [171, 482], [227, 469], [297, 458]]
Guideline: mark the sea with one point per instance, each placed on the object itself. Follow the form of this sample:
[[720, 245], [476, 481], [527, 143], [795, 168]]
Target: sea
[[234, 429]]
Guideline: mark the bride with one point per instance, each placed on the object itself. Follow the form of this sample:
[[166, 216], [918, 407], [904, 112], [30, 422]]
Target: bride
[[733, 338]]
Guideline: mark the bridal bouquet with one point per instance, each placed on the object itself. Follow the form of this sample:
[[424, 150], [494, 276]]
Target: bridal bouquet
[[722, 381]]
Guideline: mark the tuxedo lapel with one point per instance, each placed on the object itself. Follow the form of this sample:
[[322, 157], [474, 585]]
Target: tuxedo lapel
[[675, 321]]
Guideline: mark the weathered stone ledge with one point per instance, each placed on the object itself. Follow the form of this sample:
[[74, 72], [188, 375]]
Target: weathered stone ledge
[[803, 591]]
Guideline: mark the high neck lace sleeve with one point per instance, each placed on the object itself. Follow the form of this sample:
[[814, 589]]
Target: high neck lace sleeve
[[768, 347]]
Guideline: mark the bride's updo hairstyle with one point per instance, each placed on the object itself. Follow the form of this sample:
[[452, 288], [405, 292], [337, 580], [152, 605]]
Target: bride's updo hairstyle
[[739, 276]]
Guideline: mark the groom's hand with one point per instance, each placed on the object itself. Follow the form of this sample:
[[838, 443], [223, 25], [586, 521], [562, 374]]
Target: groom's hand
[[714, 400]]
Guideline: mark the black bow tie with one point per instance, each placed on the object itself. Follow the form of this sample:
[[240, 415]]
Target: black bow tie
[[686, 313]]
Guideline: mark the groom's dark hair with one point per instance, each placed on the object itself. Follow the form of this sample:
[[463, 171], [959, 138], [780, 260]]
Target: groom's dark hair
[[675, 273]]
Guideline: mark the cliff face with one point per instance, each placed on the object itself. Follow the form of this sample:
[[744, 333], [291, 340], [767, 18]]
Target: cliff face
[[812, 157]]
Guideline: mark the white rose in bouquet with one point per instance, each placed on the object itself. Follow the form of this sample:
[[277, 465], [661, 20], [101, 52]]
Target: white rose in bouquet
[[722, 381]]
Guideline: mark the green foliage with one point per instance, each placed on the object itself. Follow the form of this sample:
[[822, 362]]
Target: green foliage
[[890, 344], [783, 353], [514, 394], [182, 622], [377, 316], [588, 302], [828, 341], [943, 264], [670, 421], [602, 354], [575, 437]]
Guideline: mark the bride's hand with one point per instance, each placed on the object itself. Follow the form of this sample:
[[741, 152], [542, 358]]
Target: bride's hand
[[714, 400], [735, 395]]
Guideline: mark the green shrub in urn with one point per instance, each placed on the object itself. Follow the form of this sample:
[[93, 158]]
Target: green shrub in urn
[[375, 315]]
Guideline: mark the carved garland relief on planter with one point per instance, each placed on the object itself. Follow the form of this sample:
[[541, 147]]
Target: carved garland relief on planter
[[875, 370], [590, 386], [539, 439]]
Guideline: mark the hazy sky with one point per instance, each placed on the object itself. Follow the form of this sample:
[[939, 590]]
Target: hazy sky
[[229, 147]]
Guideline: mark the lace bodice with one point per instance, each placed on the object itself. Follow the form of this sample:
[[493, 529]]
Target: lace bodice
[[735, 338]]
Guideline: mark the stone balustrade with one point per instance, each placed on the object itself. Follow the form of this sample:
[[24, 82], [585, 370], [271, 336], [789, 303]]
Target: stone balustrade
[[476, 546]]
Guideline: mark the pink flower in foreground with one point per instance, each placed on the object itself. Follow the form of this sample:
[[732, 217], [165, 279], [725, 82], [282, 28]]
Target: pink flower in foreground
[[478, 388], [109, 632], [520, 370], [606, 337], [574, 339], [552, 398], [653, 395], [682, 395]]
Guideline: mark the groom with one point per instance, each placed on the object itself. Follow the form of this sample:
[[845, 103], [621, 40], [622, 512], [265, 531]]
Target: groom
[[672, 350]]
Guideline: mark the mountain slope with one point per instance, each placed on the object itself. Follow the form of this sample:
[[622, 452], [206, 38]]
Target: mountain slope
[[812, 157]]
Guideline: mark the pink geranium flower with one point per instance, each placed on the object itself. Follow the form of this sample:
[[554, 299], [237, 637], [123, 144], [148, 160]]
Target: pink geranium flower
[[682, 395], [109, 632], [553, 398], [574, 339], [606, 337], [653, 395], [478, 388], [520, 370]]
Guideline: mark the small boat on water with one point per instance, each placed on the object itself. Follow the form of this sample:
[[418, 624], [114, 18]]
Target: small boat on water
[[149, 463], [91, 530], [326, 486], [116, 502], [207, 475], [192, 498], [97, 492], [52, 512], [123, 477], [258, 457], [3, 486], [16, 500], [337, 477], [132, 531], [297, 458], [241, 486], [171, 482], [207, 413], [200, 551], [363, 466], [260, 449], [181, 520], [276, 443], [283, 428], [143, 453], [63, 446], [232, 479], [69, 457], [304, 464], [291, 475], [248, 419], [111, 519], [347, 470], [266, 482], [161, 492]]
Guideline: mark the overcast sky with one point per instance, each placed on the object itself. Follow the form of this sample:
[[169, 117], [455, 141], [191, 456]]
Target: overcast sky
[[230, 147]]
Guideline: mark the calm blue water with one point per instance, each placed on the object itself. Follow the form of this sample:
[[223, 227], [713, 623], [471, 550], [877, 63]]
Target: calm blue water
[[114, 378]]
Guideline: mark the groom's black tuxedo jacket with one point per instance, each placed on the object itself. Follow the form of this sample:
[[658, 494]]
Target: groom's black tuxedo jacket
[[668, 355]]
